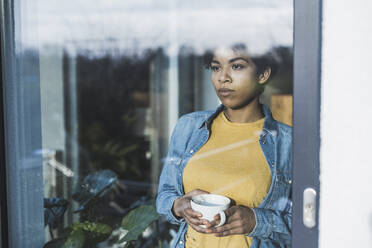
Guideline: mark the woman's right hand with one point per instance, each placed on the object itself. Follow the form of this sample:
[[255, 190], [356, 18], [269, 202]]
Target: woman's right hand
[[182, 208]]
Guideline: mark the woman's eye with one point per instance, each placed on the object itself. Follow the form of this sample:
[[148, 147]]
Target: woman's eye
[[215, 67], [237, 66]]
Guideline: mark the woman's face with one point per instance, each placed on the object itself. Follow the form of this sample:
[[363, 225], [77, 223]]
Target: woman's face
[[235, 79]]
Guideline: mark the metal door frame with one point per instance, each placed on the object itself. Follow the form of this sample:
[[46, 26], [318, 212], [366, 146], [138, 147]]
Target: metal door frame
[[306, 115]]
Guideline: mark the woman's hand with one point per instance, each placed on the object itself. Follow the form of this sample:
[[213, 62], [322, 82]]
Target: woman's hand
[[239, 220], [182, 208]]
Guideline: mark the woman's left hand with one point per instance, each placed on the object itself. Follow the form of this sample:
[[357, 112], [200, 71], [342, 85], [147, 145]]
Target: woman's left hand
[[239, 220]]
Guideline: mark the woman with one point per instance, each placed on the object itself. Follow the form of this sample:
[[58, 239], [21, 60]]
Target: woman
[[238, 151]]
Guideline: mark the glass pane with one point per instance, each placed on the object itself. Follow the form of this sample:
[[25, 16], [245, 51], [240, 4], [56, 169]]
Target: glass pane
[[115, 77]]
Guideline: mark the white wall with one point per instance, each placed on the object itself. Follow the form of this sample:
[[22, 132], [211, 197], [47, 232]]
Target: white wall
[[346, 125]]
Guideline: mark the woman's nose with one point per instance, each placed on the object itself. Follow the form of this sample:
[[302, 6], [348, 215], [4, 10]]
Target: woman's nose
[[224, 76]]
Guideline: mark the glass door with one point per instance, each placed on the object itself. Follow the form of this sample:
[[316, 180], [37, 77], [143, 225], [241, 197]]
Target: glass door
[[92, 93]]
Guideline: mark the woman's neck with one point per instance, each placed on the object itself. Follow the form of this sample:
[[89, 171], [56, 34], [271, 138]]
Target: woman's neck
[[249, 113]]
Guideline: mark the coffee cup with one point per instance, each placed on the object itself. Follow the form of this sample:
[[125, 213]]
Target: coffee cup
[[209, 205]]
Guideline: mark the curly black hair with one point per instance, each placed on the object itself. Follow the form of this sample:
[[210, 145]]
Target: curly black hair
[[269, 59]]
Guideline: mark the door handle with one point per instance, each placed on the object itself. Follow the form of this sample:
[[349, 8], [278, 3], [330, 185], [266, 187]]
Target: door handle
[[309, 208]]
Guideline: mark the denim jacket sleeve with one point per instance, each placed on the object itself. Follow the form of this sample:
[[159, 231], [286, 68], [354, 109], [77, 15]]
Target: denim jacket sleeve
[[170, 182], [273, 224]]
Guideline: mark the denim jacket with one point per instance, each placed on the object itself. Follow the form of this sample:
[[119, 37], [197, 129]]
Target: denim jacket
[[273, 215]]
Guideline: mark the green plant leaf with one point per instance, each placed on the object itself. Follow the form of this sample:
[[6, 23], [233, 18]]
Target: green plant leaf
[[94, 232], [137, 221], [75, 240], [81, 235]]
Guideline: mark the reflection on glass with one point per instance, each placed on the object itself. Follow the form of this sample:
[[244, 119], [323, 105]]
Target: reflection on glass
[[115, 77]]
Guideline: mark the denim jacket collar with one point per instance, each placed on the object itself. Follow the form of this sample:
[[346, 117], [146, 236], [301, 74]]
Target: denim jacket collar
[[270, 126]]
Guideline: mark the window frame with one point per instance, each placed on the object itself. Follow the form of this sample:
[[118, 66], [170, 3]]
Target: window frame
[[3, 185], [21, 158]]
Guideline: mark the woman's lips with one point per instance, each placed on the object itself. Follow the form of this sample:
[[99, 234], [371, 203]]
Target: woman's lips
[[225, 92]]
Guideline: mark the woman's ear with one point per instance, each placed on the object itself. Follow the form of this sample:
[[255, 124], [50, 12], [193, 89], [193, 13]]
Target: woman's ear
[[263, 77]]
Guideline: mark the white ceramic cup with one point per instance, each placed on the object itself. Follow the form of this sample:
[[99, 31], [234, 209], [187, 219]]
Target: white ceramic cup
[[209, 205]]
